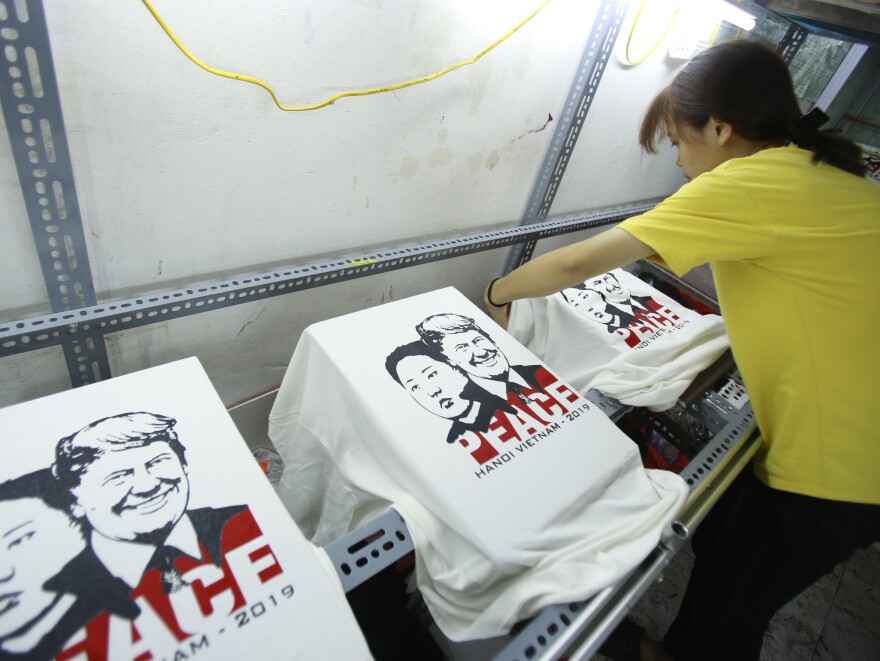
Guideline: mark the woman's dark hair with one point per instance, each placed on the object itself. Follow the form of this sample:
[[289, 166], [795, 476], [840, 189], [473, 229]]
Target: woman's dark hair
[[746, 84]]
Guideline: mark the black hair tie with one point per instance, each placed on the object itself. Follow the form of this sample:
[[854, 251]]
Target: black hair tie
[[800, 131], [489, 296]]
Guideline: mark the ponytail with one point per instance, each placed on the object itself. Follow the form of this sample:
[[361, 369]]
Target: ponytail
[[826, 146]]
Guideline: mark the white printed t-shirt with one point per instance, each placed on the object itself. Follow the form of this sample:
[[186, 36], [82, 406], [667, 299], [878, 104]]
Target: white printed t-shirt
[[622, 337], [512, 504]]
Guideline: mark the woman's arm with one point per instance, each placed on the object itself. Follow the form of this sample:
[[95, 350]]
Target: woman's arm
[[565, 267]]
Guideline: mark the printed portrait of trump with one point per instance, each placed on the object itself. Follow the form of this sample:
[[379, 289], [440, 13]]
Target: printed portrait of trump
[[127, 483]]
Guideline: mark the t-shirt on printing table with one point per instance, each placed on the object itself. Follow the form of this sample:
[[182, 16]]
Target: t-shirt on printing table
[[421, 425]]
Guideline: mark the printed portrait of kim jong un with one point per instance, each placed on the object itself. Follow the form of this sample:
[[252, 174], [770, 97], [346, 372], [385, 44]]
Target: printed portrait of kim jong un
[[457, 371], [37, 538]]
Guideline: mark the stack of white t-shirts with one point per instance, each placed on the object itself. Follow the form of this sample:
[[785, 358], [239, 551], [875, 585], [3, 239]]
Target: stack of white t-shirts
[[517, 492], [622, 337]]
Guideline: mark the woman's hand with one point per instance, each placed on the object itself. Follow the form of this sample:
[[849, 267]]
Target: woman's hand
[[564, 267]]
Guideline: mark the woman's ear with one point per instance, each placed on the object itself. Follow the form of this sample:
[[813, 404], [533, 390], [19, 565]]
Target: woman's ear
[[721, 131]]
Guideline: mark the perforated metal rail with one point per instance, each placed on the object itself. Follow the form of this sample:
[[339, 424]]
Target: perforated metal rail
[[32, 110], [738, 424], [571, 120], [368, 550], [47, 330], [791, 43]]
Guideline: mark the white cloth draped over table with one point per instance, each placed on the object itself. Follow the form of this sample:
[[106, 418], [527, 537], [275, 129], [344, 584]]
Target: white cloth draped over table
[[634, 344], [543, 502]]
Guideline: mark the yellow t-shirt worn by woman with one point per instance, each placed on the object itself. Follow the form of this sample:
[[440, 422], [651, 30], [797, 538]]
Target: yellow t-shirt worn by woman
[[795, 251]]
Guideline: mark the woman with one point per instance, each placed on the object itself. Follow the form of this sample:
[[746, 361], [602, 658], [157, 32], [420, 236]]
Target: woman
[[792, 230]]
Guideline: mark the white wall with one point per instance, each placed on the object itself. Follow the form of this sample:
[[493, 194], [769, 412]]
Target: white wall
[[183, 176], [608, 167]]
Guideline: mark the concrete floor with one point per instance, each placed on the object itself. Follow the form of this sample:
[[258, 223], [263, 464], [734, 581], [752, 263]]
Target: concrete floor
[[836, 619]]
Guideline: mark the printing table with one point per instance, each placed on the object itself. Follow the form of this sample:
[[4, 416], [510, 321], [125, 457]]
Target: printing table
[[714, 427]]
